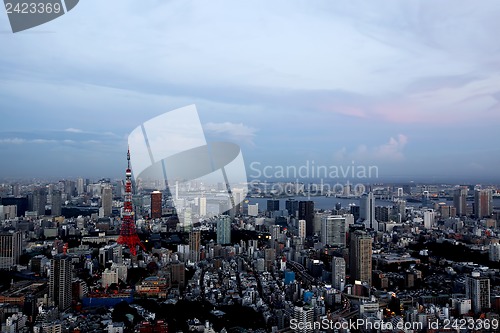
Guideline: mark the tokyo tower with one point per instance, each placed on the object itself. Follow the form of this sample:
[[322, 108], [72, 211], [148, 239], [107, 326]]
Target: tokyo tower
[[128, 233]]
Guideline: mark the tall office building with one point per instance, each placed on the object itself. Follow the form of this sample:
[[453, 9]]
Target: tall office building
[[224, 230], [156, 204], [367, 211], [69, 188], [39, 200], [460, 201], [238, 196], [360, 257], [107, 201], [477, 288], [10, 249], [273, 205], [338, 273], [306, 212], [80, 186], [333, 230], [194, 245], [60, 281], [483, 203], [56, 203], [383, 214], [292, 206]]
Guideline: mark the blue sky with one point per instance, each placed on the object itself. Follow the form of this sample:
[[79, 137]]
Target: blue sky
[[410, 86]]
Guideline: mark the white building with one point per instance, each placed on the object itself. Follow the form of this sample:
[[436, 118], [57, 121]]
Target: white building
[[333, 230], [253, 210], [429, 217], [109, 277]]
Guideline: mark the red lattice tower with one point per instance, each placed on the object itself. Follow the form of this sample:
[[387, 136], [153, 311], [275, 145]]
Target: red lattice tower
[[128, 233]]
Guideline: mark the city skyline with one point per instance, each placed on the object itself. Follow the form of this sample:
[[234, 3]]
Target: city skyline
[[408, 87]]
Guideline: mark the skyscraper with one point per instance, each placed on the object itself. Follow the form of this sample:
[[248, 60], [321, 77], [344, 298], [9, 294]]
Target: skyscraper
[[60, 281], [224, 229], [156, 204], [107, 201], [238, 195], [306, 212], [460, 200], [333, 230], [338, 273], [80, 186], [273, 205], [39, 201], [292, 206], [367, 211], [10, 249], [477, 288], [360, 257], [56, 203], [483, 203], [203, 206], [429, 217], [194, 245]]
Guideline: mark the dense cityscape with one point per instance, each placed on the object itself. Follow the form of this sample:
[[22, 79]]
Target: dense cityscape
[[115, 256], [249, 166]]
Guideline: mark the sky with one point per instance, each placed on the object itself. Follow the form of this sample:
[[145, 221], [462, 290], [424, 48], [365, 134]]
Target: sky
[[411, 87]]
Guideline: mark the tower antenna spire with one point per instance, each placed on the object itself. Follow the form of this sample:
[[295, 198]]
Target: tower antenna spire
[[128, 232]]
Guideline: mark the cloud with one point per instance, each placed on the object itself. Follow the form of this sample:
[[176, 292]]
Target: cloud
[[18, 141], [393, 149], [73, 130], [15, 141], [237, 132], [390, 151]]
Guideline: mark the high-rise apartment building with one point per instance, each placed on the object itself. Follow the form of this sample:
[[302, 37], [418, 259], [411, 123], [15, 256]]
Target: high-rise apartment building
[[302, 229], [60, 281], [224, 229], [303, 317], [203, 206], [483, 203], [360, 257], [338, 273], [477, 288], [194, 245], [460, 201]]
